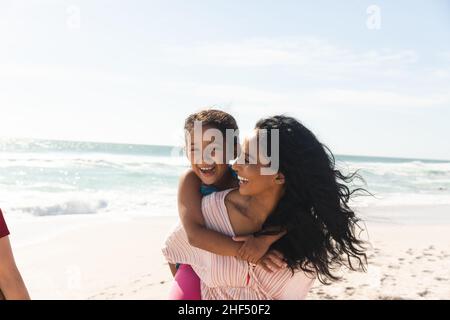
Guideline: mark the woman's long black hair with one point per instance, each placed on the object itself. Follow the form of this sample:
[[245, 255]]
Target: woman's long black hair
[[321, 227]]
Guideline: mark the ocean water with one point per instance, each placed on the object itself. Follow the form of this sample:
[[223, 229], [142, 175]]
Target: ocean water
[[45, 178]]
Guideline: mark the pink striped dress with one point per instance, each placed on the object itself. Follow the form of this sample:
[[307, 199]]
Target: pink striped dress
[[228, 278]]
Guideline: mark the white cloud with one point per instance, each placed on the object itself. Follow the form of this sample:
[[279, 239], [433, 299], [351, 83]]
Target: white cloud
[[382, 78], [444, 55], [442, 72], [257, 99], [41, 72], [54, 101], [311, 56]]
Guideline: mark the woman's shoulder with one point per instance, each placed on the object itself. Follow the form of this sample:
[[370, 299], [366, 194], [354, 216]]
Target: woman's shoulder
[[214, 202], [223, 195], [228, 198], [233, 197], [235, 201], [215, 211]]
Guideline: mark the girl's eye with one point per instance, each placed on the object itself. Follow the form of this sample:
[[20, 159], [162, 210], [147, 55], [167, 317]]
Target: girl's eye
[[216, 147]]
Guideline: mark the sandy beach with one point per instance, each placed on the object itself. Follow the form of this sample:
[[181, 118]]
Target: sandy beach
[[98, 258]]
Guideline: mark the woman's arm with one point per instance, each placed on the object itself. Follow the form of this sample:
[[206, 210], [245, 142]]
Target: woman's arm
[[190, 211], [11, 283]]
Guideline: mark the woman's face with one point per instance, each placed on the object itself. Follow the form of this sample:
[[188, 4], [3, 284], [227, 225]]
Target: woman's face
[[248, 167]]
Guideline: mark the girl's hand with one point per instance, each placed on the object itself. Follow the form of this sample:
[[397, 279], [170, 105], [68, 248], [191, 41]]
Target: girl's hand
[[272, 261], [253, 249]]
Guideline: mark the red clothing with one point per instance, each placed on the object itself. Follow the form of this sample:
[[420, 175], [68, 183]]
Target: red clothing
[[3, 228]]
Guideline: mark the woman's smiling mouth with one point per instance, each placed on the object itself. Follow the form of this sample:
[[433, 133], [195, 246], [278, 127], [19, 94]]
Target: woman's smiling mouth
[[242, 180]]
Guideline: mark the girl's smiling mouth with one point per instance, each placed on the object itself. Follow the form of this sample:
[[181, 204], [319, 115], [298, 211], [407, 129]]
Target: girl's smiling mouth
[[207, 171]]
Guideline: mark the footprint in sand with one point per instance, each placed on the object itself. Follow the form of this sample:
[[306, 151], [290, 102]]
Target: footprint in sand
[[384, 278], [350, 291], [423, 293], [389, 298], [440, 279]]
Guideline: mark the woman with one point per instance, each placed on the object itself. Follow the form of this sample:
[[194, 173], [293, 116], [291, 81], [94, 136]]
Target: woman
[[306, 198], [12, 286]]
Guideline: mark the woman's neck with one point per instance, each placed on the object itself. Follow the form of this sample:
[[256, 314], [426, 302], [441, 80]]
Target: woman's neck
[[259, 207]]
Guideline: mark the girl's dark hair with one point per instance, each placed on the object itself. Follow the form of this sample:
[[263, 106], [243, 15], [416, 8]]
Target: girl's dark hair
[[220, 120], [321, 227]]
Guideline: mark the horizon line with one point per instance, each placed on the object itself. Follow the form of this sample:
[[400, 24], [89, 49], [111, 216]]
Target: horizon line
[[174, 146]]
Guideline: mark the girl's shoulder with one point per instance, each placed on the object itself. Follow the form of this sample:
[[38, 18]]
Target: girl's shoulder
[[189, 174], [189, 179]]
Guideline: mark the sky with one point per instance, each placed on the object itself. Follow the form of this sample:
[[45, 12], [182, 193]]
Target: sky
[[368, 77]]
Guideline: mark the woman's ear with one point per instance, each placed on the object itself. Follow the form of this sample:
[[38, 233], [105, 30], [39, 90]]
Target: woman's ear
[[279, 178]]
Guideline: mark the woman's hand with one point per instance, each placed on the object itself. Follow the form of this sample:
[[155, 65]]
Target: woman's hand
[[272, 261], [253, 248]]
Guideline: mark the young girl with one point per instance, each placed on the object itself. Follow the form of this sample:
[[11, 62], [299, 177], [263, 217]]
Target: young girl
[[203, 178], [11, 283]]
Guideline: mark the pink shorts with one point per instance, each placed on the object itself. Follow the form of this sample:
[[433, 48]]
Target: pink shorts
[[186, 284]]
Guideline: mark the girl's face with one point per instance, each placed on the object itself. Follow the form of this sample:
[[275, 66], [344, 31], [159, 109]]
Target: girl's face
[[208, 158], [248, 167]]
